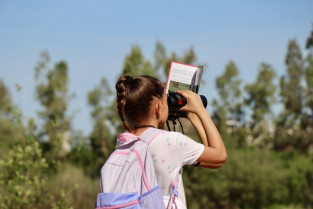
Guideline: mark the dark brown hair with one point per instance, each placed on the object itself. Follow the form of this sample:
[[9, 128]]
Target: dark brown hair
[[134, 97]]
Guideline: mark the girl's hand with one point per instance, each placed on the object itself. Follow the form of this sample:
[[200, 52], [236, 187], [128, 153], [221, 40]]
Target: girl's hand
[[194, 102]]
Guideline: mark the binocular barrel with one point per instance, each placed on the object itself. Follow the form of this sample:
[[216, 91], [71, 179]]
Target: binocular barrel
[[175, 101]]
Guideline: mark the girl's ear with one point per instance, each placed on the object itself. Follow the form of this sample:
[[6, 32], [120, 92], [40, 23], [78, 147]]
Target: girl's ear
[[158, 109]]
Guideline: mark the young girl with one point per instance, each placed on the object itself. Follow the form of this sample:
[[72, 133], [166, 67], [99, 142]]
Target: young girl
[[142, 105]]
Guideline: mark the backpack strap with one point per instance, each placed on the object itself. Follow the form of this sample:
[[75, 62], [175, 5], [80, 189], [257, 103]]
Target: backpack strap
[[142, 166], [135, 202], [174, 185], [145, 180], [155, 132]]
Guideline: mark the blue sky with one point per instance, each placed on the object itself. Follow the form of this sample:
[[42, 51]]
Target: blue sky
[[94, 37]]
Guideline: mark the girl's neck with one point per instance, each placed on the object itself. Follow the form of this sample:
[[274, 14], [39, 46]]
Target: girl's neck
[[144, 126], [138, 130]]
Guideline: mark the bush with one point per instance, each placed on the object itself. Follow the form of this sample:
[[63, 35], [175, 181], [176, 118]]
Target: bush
[[79, 189], [23, 176], [250, 179]]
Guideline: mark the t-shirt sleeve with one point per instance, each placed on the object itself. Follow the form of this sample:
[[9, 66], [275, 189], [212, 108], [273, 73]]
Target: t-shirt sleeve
[[187, 150]]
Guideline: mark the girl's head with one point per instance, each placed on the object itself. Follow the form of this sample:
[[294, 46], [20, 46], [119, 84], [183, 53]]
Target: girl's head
[[141, 100]]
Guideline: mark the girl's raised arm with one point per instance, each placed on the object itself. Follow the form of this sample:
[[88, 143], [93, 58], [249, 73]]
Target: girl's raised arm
[[214, 154]]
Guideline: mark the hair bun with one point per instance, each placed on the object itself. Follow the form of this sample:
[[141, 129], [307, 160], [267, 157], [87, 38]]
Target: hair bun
[[129, 79]]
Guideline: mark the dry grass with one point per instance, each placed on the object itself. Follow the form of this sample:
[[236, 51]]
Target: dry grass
[[81, 191]]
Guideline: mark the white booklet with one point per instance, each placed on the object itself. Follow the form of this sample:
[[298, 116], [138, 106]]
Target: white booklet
[[183, 77]]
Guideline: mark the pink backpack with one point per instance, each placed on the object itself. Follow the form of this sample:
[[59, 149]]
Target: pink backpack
[[128, 179]]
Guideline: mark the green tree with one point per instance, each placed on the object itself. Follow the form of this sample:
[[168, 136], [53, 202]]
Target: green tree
[[291, 89], [250, 179], [293, 125], [309, 41], [308, 72], [24, 173], [188, 57], [101, 140], [260, 98], [6, 105], [23, 177], [160, 58], [229, 104], [136, 64], [52, 93], [300, 178], [98, 100], [23, 168], [261, 93], [7, 111], [308, 115]]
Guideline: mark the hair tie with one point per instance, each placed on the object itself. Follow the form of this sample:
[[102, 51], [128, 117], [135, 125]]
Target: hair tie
[[123, 119], [128, 79]]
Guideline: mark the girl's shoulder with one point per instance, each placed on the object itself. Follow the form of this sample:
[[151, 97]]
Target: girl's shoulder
[[171, 138], [153, 132], [176, 135], [153, 135], [159, 136]]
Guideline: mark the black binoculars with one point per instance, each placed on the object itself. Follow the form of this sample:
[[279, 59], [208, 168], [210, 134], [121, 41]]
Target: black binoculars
[[175, 101]]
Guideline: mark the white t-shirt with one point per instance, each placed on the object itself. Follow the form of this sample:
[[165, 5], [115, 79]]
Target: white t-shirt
[[171, 151]]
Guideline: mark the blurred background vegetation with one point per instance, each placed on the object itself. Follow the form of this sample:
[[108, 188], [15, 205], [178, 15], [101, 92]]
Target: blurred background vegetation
[[267, 127]]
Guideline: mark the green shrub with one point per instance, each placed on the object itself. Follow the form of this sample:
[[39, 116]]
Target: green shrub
[[249, 179], [81, 190], [23, 176]]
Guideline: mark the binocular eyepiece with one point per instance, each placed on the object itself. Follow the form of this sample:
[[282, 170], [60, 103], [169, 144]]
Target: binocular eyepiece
[[175, 101]]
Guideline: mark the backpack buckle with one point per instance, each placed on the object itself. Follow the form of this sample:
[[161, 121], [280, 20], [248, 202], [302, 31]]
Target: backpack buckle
[[175, 191]]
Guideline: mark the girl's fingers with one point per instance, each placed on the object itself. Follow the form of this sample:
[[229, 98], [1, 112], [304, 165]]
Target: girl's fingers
[[185, 93], [181, 93], [193, 101]]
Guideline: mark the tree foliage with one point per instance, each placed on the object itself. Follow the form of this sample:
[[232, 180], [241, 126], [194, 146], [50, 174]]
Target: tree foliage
[[136, 64], [23, 176], [308, 112], [294, 125], [98, 99], [228, 107], [101, 140], [261, 93], [52, 93], [6, 105], [291, 86], [252, 178], [8, 112], [25, 171]]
